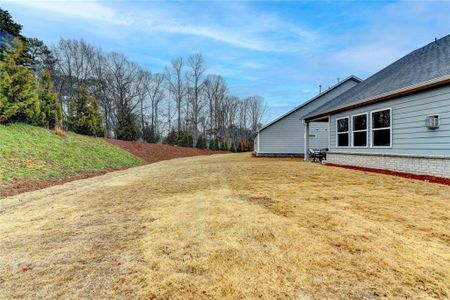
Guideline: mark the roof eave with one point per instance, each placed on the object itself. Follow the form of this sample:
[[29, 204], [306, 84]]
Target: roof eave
[[351, 77], [386, 96]]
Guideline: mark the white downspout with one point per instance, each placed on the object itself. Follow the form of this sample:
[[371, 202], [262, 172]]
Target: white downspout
[[306, 155]]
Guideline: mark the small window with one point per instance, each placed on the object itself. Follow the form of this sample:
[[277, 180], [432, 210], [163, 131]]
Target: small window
[[342, 132], [359, 130], [381, 128]]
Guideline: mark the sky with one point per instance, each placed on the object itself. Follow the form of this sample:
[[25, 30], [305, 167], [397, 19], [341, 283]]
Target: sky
[[280, 50]]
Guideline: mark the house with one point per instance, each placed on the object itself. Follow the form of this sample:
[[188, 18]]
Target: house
[[398, 119], [284, 135]]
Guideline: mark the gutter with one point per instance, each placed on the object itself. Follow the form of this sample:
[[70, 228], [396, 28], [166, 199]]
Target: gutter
[[444, 80]]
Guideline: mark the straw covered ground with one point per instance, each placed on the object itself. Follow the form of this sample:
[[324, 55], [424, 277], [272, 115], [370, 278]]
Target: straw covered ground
[[228, 226]]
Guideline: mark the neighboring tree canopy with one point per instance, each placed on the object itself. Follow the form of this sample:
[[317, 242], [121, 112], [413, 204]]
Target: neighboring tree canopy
[[19, 100], [39, 55], [185, 104], [8, 25]]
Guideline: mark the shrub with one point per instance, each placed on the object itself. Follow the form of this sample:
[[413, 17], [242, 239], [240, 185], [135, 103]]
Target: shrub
[[201, 142], [60, 132], [149, 134], [171, 138], [224, 146], [184, 139]]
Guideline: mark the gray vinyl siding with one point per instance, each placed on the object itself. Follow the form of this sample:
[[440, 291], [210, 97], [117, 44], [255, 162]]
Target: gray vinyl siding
[[286, 136], [410, 136]]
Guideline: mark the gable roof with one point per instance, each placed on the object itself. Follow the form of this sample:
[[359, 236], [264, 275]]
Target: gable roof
[[351, 77], [420, 69]]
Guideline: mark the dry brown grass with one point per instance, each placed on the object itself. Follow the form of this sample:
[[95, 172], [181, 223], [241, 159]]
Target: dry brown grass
[[228, 226]]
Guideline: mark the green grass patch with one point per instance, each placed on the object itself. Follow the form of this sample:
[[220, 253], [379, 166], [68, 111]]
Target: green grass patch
[[28, 152]]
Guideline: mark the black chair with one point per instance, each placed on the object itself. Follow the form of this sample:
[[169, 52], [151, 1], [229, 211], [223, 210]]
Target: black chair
[[318, 154]]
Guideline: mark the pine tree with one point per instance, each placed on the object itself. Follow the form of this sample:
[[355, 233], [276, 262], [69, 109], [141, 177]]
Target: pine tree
[[233, 146], [171, 137], [127, 128], [224, 146], [84, 115], [8, 25], [51, 112], [201, 142], [149, 134], [18, 88]]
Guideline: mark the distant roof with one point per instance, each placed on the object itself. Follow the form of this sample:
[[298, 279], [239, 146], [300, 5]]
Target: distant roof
[[5, 38], [424, 65], [351, 77]]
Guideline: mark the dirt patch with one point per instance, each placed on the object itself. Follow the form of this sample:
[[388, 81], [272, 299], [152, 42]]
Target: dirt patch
[[262, 201], [151, 153]]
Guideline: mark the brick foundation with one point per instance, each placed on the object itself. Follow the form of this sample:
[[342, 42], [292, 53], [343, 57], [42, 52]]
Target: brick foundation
[[279, 155], [420, 165]]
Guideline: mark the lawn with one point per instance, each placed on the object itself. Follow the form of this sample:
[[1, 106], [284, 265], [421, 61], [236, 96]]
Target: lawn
[[34, 153], [228, 226]]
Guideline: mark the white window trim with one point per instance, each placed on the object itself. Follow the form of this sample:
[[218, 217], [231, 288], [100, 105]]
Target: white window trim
[[363, 130], [347, 132], [383, 128]]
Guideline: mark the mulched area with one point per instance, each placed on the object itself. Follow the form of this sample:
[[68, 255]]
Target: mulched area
[[152, 153], [149, 153], [428, 178]]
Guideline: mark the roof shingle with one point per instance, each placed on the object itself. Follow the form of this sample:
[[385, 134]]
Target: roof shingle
[[422, 65]]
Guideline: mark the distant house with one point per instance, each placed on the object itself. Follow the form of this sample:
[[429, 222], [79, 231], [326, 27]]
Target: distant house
[[398, 119], [5, 39], [284, 135]]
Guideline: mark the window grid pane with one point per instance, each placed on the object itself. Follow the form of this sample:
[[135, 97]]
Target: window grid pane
[[360, 122], [343, 140], [382, 138], [342, 125], [381, 119], [360, 139]]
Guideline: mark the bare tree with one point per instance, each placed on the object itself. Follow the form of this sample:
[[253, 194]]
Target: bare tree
[[73, 67], [256, 111], [176, 86], [197, 68], [201, 103], [215, 90], [156, 94], [123, 84]]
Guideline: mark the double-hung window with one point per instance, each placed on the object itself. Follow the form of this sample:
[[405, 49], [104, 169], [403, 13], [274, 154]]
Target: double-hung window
[[359, 130], [381, 128], [343, 134]]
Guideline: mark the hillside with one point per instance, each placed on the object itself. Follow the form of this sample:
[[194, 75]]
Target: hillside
[[32, 158], [151, 153], [30, 154]]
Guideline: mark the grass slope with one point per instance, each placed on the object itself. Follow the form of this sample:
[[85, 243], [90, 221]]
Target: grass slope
[[33, 153]]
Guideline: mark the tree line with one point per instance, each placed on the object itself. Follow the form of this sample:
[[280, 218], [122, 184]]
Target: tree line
[[79, 87]]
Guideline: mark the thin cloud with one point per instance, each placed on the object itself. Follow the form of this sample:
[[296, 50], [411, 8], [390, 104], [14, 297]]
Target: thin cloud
[[211, 33], [86, 10], [260, 34]]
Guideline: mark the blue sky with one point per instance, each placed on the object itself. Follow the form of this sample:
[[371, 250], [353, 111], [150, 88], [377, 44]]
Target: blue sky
[[279, 50]]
